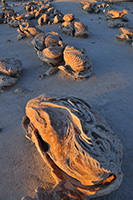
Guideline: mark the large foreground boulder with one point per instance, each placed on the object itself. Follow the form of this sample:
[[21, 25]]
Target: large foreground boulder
[[84, 154]]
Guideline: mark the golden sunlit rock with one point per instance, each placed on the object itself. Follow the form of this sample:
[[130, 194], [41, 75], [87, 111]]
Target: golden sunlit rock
[[77, 63], [80, 30], [53, 39], [43, 20], [125, 34], [51, 55], [28, 29], [10, 70], [67, 28], [68, 17], [83, 153], [39, 41], [114, 14]]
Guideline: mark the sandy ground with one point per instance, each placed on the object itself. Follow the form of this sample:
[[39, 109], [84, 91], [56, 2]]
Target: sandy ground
[[109, 90]]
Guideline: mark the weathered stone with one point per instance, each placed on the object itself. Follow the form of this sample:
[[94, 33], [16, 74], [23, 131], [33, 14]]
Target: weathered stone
[[58, 19], [53, 39], [91, 7], [115, 14], [84, 154], [77, 63], [51, 55], [43, 20], [68, 17], [13, 23], [125, 34], [10, 67], [39, 42], [125, 19], [28, 29], [80, 30], [67, 28], [7, 81], [117, 24], [1, 17]]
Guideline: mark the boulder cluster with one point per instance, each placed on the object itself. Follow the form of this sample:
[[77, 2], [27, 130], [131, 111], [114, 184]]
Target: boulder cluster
[[58, 55], [116, 18], [7, 13]]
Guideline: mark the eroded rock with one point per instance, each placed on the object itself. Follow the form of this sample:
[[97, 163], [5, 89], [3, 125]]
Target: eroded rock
[[124, 34], [27, 29], [91, 7], [115, 14], [13, 23], [58, 19], [1, 17], [80, 30], [10, 70], [43, 20], [74, 28], [39, 41], [53, 39], [67, 28], [7, 81], [10, 67], [68, 17], [83, 153], [51, 55], [77, 63], [117, 24]]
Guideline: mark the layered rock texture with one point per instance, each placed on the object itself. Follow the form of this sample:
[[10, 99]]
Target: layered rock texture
[[82, 151]]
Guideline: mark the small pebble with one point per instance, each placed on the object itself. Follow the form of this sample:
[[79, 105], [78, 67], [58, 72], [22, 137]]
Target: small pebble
[[41, 76], [18, 90], [125, 19], [92, 42], [127, 8], [7, 41], [111, 25]]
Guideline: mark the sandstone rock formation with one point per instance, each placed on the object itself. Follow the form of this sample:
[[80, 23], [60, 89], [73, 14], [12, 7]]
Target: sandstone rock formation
[[77, 63], [10, 70], [84, 154]]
